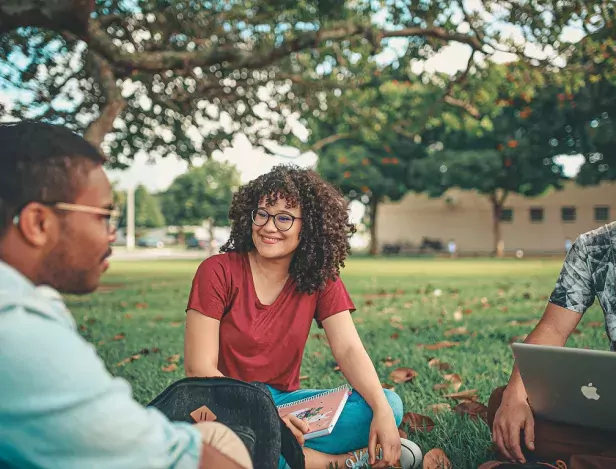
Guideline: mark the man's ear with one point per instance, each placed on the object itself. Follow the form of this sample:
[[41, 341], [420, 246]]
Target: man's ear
[[35, 223]]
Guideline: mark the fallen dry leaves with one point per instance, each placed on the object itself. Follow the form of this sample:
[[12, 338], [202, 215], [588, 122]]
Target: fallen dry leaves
[[395, 336], [174, 358], [389, 362], [473, 409], [301, 378], [132, 358], [169, 368], [468, 395], [176, 323], [436, 363], [455, 380], [402, 433], [391, 387], [418, 422], [594, 324], [439, 345], [456, 331], [436, 408], [402, 375], [141, 305], [441, 386], [119, 336], [436, 459]]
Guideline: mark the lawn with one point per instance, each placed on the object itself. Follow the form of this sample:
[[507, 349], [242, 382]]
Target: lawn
[[404, 308]]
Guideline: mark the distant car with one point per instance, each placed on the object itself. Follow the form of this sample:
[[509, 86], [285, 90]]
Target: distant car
[[150, 242], [194, 243]]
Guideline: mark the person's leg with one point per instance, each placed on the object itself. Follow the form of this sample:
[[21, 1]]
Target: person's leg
[[350, 433], [555, 440]]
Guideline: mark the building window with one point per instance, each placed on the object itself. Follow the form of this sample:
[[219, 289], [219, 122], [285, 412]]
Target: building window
[[507, 215], [568, 214], [536, 214], [602, 213]]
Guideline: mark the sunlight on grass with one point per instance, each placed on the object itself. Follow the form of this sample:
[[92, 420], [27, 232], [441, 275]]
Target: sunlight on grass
[[404, 308]]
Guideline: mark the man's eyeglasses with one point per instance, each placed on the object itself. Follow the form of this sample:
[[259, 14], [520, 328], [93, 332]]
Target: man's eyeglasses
[[282, 221], [111, 215]]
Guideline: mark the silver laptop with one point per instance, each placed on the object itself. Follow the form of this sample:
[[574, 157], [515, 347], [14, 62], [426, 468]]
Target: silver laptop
[[569, 385]]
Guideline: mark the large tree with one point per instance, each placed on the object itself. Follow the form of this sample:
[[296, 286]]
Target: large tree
[[203, 194], [369, 139], [490, 173], [183, 76], [507, 152]]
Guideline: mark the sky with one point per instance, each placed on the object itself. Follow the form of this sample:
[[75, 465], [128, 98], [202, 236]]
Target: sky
[[251, 162]]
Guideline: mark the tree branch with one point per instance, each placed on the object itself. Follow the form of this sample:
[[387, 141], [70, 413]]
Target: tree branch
[[437, 33], [114, 102], [252, 59], [468, 107], [328, 141], [58, 15]]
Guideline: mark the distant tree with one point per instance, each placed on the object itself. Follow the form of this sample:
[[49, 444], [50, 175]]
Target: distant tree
[[495, 174], [148, 212], [369, 175], [203, 194], [506, 151]]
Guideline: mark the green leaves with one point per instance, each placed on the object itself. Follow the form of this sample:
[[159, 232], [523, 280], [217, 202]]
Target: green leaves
[[202, 193]]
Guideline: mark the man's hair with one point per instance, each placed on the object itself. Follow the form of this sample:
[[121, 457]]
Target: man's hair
[[41, 162]]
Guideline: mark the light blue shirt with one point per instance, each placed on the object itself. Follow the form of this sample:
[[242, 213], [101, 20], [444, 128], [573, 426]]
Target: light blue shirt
[[60, 407]]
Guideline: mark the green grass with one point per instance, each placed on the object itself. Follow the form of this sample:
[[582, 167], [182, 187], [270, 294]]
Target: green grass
[[144, 304]]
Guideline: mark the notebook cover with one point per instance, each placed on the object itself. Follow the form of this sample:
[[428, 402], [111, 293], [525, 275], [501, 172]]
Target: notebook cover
[[321, 411]]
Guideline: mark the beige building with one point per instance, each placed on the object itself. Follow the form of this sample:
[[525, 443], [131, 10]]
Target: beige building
[[535, 225]]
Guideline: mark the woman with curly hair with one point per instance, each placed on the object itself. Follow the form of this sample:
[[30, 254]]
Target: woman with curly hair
[[251, 307]]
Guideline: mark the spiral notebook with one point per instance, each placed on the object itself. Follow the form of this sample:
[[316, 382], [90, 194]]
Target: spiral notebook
[[320, 411]]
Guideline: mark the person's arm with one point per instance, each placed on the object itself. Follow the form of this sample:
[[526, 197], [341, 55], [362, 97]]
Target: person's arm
[[201, 345], [554, 328], [60, 407], [206, 305], [573, 294], [357, 367], [353, 360]]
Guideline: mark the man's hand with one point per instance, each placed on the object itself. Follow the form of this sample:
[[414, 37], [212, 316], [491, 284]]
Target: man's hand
[[297, 426], [513, 415], [383, 430]]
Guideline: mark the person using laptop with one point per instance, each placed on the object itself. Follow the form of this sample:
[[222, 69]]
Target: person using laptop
[[588, 273], [59, 406]]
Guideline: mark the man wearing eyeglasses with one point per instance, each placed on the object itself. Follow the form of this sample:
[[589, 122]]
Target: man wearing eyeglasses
[[59, 406]]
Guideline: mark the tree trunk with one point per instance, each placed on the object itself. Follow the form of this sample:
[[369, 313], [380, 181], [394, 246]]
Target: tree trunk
[[210, 230], [56, 15], [499, 247], [497, 211], [114, 102], [373, 207]]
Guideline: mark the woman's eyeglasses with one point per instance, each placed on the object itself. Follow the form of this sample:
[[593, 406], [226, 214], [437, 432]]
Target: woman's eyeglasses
[[282, 221]]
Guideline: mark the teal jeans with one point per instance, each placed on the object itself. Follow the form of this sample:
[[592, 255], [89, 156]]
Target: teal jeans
[[353, 427]]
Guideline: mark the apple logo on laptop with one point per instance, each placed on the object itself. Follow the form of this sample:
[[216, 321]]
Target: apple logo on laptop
[[590, 392]]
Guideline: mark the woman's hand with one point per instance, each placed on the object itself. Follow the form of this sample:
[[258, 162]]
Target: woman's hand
[[383, 430], [297, 426]]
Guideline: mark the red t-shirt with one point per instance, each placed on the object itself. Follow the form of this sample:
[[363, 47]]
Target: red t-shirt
[[260, 342]]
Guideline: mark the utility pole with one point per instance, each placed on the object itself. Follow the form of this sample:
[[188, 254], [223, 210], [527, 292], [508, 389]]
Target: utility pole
[[130, 218]]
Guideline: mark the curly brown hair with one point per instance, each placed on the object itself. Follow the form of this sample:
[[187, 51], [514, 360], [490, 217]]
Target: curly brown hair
[[324, 238]]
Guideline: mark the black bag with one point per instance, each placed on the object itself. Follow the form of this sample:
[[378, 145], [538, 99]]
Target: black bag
[[247, 408]]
